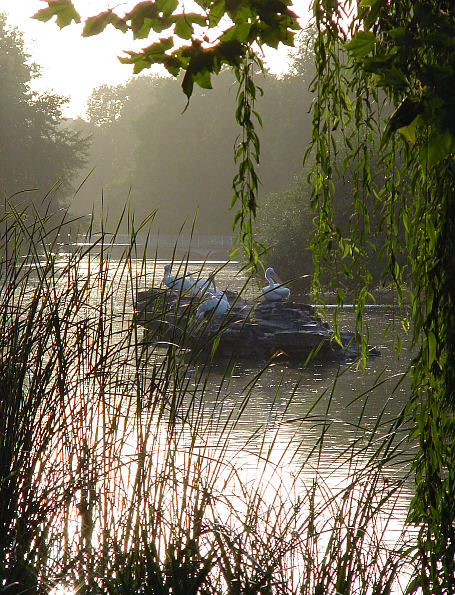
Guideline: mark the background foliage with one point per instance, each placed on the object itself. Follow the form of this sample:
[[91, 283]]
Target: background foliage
[[400, 54], [144, 147], [37, 148]]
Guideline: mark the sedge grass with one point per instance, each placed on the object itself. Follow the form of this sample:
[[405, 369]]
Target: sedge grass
[[117, 467]]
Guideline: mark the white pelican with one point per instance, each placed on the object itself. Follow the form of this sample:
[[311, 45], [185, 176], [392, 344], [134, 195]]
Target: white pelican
[[217, 304], [204, 287], [179, 284], [274, 291]]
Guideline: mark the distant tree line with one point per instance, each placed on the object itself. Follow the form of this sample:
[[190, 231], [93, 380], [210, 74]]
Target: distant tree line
[[40, 152], [149, 151]]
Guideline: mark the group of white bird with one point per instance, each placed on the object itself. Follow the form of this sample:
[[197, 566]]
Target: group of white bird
[[215, 301]]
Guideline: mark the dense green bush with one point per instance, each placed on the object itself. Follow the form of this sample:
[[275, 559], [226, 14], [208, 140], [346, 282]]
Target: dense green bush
[[285, 223]]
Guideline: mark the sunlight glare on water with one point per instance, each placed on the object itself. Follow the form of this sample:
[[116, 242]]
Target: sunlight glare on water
[[343, 406], [295, 434]]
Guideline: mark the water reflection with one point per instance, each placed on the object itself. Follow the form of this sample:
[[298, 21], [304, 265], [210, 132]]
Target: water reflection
[[343, 400], [283, 433], [322, 393]]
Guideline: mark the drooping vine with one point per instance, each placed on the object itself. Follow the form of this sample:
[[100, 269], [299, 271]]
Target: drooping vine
[[247, 154], [343, 134], [402, 50]]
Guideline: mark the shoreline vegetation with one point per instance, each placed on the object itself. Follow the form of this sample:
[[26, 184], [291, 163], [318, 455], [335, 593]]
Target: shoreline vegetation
[[117, 473]]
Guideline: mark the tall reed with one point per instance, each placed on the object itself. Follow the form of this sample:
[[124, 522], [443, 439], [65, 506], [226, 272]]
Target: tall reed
[[117, 467]]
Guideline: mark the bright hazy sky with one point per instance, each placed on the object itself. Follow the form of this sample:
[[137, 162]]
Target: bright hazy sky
[[73, 66]]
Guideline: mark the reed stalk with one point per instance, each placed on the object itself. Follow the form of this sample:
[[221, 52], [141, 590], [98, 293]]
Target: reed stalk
[[117, 467]]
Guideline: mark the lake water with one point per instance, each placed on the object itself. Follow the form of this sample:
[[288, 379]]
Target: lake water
[[346, 402], [293, 429]]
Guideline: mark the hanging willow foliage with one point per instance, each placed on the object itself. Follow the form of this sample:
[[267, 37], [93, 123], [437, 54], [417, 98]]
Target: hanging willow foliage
[[247, 155], [385, 88]]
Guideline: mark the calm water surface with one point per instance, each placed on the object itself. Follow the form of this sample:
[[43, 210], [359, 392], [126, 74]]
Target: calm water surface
[[295, 422], [343, 400]]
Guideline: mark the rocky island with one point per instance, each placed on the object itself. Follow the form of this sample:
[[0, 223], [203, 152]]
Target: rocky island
[[244, 330]]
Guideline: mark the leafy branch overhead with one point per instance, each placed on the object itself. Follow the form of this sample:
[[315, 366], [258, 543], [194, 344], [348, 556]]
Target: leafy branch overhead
[[414, 58], [199, 43]]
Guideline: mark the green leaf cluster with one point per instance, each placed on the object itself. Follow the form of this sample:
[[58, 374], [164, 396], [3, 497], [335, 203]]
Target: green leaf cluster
[[389, 70], [410, 51], [265, 22], [63, 10]]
